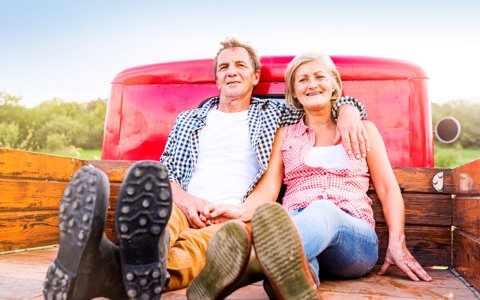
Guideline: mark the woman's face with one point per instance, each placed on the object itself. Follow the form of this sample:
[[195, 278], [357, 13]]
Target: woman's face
[[314, 85]]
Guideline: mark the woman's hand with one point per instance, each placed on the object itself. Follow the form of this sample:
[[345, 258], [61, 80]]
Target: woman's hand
[[399, 255]]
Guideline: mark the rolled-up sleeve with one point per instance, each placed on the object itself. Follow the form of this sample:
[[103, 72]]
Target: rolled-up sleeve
[[168, 158]]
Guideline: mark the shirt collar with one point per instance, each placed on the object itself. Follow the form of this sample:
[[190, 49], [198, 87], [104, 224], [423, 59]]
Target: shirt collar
[[201, 112], [214, 101], [300, 128]]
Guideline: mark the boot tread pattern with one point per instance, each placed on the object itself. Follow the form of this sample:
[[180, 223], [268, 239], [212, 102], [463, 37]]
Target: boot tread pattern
[[78, 205], [273, 227], [145, 277], [79, 211], [227, 255], [143, 209], [57, 282], [139, 204]]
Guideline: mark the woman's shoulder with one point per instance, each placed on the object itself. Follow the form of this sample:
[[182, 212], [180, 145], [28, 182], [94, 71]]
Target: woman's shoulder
[[370, 127], [280, 134], [374, 136], [368, 123]]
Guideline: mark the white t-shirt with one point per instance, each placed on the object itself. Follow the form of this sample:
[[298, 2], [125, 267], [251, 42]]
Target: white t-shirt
[[328, 157], [226, 165]]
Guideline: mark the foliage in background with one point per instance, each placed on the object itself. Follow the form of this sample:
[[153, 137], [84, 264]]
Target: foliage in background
[[8, 134], [53, 125]]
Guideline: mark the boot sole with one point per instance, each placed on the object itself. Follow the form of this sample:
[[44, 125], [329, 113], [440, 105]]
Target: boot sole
[[279, 250], [143, 208], [82, 215], [226, 260]]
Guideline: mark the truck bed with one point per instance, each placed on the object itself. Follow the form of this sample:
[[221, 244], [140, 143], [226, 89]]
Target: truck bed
[[442, 227], [22, 275]]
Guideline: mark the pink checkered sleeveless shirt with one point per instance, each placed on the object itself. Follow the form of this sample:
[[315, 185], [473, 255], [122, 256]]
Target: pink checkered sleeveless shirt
[[345, 187]]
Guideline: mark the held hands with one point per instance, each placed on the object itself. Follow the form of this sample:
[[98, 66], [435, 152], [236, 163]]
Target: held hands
[[351, 132], [193, 209], [215, 213], [201, 213], [399, 255]]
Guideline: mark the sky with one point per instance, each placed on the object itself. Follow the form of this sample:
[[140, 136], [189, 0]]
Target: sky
[[72, 50]]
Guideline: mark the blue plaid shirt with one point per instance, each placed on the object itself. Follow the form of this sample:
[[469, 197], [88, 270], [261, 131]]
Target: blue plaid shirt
[[264, 117]]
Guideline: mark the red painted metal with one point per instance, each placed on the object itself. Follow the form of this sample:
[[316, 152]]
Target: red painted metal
[[145, 101]]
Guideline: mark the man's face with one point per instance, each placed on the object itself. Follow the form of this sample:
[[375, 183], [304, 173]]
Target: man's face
[[235, 74]]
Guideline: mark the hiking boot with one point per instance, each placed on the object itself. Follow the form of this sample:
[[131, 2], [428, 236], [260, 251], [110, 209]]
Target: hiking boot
[[143, 208], [227, 265], [86, 265], [267, 286], [280, 252]]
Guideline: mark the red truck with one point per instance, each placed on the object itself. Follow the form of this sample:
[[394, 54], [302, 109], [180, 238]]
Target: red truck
[[145, 101], [442, 204]]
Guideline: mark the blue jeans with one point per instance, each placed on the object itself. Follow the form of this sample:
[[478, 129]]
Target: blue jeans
[[345, 246]]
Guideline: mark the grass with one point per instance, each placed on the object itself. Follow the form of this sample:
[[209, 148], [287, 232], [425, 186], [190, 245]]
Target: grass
[[470, 154], [451, 156], [76, 153]]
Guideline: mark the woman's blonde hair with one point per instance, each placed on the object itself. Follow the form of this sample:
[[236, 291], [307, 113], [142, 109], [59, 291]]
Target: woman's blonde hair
[[292, 67]]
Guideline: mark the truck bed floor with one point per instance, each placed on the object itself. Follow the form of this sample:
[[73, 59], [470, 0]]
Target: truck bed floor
[[22, 274]]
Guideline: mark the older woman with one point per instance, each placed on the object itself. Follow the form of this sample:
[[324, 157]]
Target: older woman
[[326, 193]]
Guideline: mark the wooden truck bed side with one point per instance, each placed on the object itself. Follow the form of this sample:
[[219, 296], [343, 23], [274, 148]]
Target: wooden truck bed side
[[442, 228]]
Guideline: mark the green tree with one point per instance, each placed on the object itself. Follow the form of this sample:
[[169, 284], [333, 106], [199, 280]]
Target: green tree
[[93, 117], [11, 112], [8, 135], [52, 124]]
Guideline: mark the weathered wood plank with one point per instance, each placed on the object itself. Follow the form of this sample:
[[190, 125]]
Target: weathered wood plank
[[109, 226], [466, 178], [115, 169], [466, 214], [466, 257], [420, 209], [430, 245], [418, 205], [28, 229], [22, 274], [419, 180], [409, 179], [28, 165], [26, 194], [396, 285]]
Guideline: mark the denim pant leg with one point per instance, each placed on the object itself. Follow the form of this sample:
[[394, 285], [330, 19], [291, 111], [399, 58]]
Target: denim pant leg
[[344, 245]]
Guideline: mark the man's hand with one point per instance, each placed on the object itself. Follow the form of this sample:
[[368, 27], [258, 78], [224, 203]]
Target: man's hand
[[190, 205], [216, 213], [399, 255], [351, 132]]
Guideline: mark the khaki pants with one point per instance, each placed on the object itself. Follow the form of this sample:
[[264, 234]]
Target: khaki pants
[[188, 248]]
